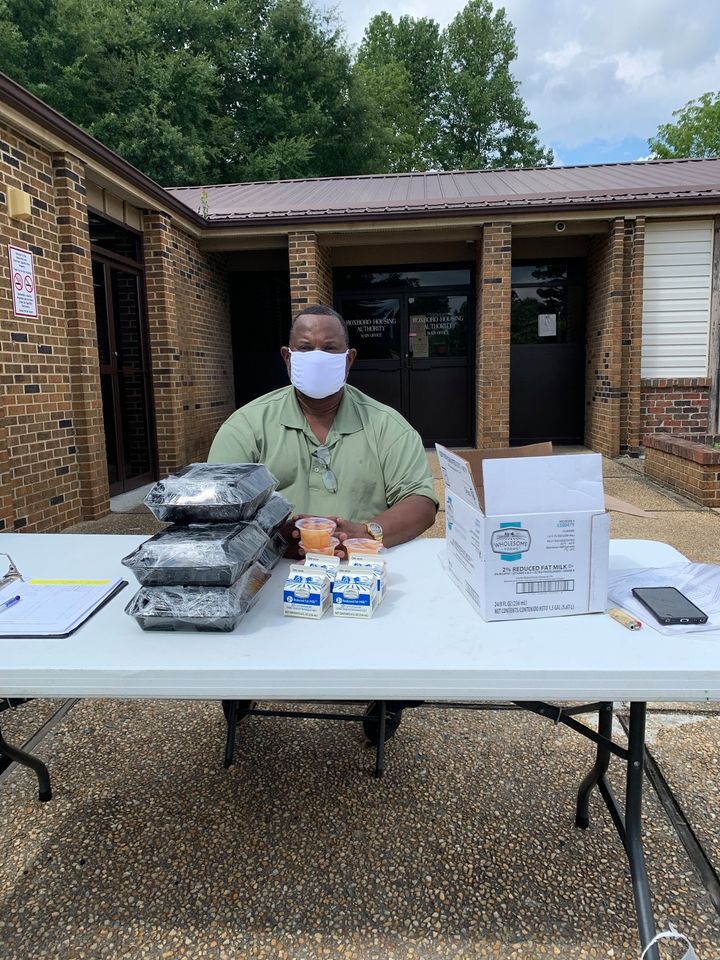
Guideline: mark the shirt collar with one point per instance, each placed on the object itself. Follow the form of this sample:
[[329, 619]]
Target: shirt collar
[[347, 419]]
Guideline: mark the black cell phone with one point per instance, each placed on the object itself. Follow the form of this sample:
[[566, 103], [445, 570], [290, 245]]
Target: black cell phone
[[669, 606]]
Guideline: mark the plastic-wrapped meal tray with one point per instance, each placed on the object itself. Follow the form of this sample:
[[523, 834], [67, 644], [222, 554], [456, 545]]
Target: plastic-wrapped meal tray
[[197, 608], [212, 493], [273, 552], [273, 514], [198, 554]]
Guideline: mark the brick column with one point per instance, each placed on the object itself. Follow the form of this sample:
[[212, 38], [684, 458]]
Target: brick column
[[310, 271], [630, 397], [165, 351], [493, 282], [7, 508], [82, 348], [604, 332]]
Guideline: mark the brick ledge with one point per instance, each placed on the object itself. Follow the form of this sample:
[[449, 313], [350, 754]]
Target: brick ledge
[[687, 448]]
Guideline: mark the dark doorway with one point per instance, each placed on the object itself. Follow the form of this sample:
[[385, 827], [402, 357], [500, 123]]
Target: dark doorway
[[547, 353], [260, 317], [125, 376], [414, 336]]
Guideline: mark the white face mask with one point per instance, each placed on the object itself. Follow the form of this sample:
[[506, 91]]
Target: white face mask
[[316, 373]]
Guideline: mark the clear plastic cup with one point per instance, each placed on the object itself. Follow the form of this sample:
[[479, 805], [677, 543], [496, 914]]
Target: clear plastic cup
[[362, 545], [328, 551], [315, 532]]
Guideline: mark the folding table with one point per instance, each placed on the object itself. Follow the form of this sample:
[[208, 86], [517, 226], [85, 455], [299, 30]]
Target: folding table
[[425, 642]]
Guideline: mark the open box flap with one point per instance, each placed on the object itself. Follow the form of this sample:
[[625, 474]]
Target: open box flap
[[463, 473], [571, 483], [621, 506]]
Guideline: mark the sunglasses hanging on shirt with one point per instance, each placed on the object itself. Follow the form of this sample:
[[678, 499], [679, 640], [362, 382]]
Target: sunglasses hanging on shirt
[[322, 455]]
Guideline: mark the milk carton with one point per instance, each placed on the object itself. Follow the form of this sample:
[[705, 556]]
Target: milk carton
[[355, 594], [319, 561], [306, 593], [377, 565]]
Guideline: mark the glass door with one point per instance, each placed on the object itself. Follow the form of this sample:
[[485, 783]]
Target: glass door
[[414, 336], [124, 376], [547, 352], [437, 361]]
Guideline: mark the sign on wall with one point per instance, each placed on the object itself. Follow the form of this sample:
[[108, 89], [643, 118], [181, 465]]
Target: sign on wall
[[22, 280]]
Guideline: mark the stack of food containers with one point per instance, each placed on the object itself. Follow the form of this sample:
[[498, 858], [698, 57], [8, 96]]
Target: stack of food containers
[[206, 570]]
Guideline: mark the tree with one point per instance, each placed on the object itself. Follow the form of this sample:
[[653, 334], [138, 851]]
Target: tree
[[484, 122], [194, 91], [202, 91], [146, 78], [448, 97], [302, 113], [696, 132], [399, 66]]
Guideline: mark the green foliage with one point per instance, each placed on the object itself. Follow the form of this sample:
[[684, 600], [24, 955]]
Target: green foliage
[[399, 66], [453, 103], [299, 116], [696, 132], [201, 91]]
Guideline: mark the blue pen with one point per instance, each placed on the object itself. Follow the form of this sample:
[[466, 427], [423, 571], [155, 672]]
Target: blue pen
[[10, 603]]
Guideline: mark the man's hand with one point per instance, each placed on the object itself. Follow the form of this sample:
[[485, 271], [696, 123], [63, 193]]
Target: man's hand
[[295, 549], [347, 530]]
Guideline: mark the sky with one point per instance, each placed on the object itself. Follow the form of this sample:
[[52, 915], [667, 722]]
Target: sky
[[598, 76]]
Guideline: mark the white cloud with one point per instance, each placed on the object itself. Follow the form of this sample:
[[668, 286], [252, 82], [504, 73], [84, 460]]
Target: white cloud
[[591, 70]]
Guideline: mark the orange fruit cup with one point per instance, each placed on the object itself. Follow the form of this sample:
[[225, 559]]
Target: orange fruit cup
[[361, 545], [328, 551], [315, 532]]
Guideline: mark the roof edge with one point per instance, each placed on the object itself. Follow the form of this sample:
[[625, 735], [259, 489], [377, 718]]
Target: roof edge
[[467, 211], [655, 161], [46, 116]]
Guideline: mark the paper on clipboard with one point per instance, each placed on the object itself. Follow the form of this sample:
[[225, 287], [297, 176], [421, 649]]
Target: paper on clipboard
[[53, 609], [700, 582]]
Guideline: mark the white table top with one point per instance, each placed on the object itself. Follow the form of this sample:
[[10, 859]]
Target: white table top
[[424, 642]]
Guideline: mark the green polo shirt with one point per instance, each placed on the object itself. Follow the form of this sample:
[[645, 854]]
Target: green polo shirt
[[376, 456]]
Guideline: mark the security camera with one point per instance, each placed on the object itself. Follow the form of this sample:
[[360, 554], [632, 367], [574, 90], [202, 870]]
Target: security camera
[[560, 226]]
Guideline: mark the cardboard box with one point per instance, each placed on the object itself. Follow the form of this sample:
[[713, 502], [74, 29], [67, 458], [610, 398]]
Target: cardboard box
[[306, 593], [527, 531], [355, 595]]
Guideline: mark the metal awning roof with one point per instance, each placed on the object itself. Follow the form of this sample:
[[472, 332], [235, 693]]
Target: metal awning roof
[[414, 194]]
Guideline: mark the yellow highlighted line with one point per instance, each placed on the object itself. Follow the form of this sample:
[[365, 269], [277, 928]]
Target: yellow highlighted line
[[68, 583]]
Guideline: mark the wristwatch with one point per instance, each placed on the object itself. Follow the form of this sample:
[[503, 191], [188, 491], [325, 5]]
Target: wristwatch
[[375, 530]]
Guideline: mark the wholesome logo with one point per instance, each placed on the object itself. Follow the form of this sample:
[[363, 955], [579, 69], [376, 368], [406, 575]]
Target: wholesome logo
[[511, 541]]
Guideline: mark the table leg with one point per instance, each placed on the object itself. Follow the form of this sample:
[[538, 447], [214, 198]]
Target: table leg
[[633, 828], [380, 749], [602, 761], [232, 709], [14, 755]]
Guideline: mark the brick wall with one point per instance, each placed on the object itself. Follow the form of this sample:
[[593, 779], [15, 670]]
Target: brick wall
[[494, 260], [44, 422], [630, 396], [203, 305], [52, 442], [688, 466], [678, 405], [190, 343], [604, 332], [310, 271]]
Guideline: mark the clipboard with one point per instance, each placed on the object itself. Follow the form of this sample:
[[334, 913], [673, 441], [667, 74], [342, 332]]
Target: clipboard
[[52, 609]]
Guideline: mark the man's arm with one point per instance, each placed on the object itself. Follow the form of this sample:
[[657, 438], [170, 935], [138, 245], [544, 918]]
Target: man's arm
[[402, 522], [410, 492], [234, 442]]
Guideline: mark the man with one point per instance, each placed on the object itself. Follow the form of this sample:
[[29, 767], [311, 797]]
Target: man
[[335, 451]]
